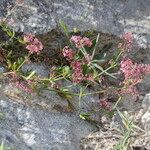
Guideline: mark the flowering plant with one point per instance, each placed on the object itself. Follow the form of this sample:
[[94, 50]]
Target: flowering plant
[[109, 72], [85, 64], [85, 67]]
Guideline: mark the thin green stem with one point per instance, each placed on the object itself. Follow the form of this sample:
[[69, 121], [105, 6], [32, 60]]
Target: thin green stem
[[114, 107], [97, 39], [105, 71], [26, 58], [118, 56]]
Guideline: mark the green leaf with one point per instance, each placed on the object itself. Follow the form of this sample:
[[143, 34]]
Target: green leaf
[[102, 70], [9, 54], [10, 33], [63, 92], [9, 63], [2, 146], [84, 116], [85, 69], [21, 41], [1, 115], [31, 75], [100, 58], [76, 30], [64, 27], [66, 70], [97, 39]]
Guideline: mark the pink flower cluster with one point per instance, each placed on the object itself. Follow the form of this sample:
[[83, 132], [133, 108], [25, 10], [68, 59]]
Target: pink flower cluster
[[131, 89], [89, 78], [133, 73], [105, 104], [81, 42], [24, 86], [68, 53], [77, 75], [33, 44], [127, 41], [77, 65]]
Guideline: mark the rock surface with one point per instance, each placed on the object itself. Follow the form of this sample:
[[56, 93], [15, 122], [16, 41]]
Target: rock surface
[[146, 101], [32, 121], [112, 17], [50, 99], [2, 69], [39, 68], [26, 128], [109, 138]]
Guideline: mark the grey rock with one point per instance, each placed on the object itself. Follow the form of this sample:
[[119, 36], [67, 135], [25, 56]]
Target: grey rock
[[140, 136], [45, 99], [100, 141], [145, 119], [39, 68], [129, 102], [33, 15], [87, 103], [31, 121], [40, 129], [144, 86], [142, 118], [146, 101], [2, 69], [112, 17], [21, 116], [50, 99]]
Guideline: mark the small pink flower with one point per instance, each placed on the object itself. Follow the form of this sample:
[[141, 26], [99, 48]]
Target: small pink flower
[[87, 59], [127, 41], [128, 37], [87, 41], [133, 74], [24, 86], [133, 70], [81, 42], [29, 38], [89, 78], [33, 44], [105, 104], [68, 53], [77, 75], [76, 65], [131, 89], [76, 40]]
